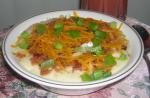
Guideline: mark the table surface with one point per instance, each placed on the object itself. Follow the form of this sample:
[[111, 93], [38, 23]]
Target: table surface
[[136, 85]]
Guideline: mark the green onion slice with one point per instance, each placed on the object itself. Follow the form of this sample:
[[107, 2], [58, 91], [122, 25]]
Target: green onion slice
[[58, 45], [41, 28], [86, 77], [57, 32], [47, 64], [113, 24], [95, 50], [58, 26], [93, 26], [100, 34], [98, 74], [74, 33], [78, 21], [123, 57], [96, 42], [25, 35], [107, 74], [23, 44], [109, 60]]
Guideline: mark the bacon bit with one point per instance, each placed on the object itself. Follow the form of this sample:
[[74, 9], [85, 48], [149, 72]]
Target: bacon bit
[[20, 55], [37, 59], [44, 71], [76, 65]]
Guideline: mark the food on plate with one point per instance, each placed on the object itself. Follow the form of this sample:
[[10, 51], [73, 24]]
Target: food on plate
[[72, 49]]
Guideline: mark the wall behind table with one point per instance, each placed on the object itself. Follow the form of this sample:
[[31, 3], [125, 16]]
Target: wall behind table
[[7, 15], [13, 11], [139, 9]]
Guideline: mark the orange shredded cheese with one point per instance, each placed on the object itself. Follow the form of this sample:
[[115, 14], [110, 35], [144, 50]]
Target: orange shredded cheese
[[43, 44]]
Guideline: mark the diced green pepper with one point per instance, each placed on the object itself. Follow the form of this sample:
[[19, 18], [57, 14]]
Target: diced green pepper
[[80, 49], [74, 33], [41, 28], [107, 74], [25, 35], [109, 60], [100, 34], [86, 77], [95, 42], [122, 57], [96, 50], [79, 22], [57, 32], [58, 45], [23, 44], [113, 24], [58, 26], [93, 26], [47, 64], [98, 74]]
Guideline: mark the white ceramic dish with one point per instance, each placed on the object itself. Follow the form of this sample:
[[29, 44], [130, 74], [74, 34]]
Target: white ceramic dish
[[135, 49]]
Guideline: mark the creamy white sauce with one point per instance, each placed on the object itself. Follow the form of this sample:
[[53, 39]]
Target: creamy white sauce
[[120, 64], [64, 76], [67, 75]]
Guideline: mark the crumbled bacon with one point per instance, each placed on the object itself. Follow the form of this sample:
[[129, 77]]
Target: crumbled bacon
[[76, 65], [44, 71], [37, 59]]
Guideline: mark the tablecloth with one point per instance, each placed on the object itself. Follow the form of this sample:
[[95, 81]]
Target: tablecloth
[[136, 85]]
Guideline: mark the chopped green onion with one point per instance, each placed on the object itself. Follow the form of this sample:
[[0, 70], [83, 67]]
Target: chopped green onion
[[25, 35], [86, 77], [95, 42], [75, 19], [107, 74], [23, 44], [96, 50], [74, 33], [113, 24], [41, 28], [93, 26], [109, 60], [122, 57], [100, 34], [81, 49], [57, 32], [58, 26], [23, 40], [98, 74], [79, 22], [47, 64], [58, 45]]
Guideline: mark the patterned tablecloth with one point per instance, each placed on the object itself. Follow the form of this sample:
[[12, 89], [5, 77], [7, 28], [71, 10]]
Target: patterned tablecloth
[[136, 85]]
